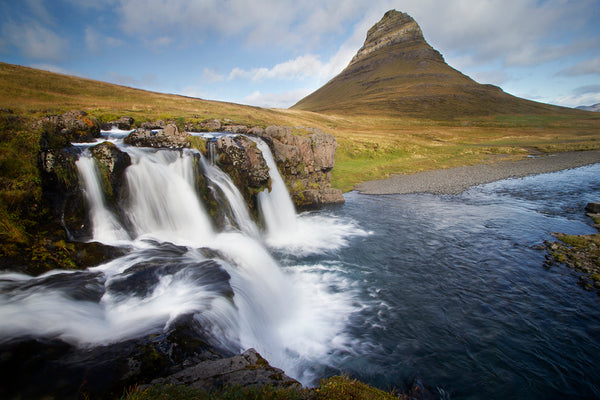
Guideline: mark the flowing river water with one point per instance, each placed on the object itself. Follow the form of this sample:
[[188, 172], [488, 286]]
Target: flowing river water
[[450, 290]]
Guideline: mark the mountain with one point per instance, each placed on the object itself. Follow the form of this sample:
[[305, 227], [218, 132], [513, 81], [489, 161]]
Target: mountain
[[396, 72], [594, 107]]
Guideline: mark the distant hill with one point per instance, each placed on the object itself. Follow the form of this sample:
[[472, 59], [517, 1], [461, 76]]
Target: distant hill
[[396, 72], [595, 107]]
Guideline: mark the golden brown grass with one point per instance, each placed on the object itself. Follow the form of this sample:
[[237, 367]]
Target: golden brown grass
[[370, 146]]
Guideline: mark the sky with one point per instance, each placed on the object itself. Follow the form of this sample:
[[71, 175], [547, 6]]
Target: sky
[[272, 53]]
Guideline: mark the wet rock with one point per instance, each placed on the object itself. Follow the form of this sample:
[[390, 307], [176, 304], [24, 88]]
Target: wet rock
[[169, 138]]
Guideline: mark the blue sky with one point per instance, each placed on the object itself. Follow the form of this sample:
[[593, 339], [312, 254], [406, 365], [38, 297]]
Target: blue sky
[[271, 53]]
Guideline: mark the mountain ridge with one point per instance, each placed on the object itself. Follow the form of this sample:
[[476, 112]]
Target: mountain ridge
[[396, 72]]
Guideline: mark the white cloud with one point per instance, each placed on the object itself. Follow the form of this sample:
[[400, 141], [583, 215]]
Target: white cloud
[[212, 75], [284, 23], [587, 67], [275, 100], [587, 89], [35, 41], [576, 100], [514, 32], [299, 68], [39, 11], [98, 43]]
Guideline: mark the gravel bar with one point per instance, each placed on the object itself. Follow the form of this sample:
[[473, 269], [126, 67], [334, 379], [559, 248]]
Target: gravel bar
[[457, 180]]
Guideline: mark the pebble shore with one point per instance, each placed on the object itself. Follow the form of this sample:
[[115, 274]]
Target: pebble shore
[[457, 180]]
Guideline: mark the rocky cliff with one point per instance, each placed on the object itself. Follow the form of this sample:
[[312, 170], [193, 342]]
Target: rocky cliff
[[396, 72]]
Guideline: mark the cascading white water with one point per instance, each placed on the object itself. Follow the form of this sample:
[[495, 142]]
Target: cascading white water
[[105, 226], [293, 316], [277, 208], [293, 233], [163, 203], [234, 198]]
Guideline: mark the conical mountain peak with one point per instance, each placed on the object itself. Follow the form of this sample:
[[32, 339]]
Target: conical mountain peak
[[396, 72], [395, 27]]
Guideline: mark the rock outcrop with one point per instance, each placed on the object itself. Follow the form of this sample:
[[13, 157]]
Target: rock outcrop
[[169, 138], [305, 158], [59, 131]]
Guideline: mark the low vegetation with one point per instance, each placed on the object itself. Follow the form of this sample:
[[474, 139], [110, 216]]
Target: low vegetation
[[334, 388]]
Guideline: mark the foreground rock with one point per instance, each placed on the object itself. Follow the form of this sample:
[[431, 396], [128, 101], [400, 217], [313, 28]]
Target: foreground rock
[[248, 369], [168, 138], [305, 158]]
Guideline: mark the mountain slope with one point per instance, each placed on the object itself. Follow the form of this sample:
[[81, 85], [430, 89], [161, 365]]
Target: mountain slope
[[397, 72]]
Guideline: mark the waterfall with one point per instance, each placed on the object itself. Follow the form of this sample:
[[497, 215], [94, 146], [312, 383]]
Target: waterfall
[[276, 206], [179, 263], [105, 226], [211, 151], [163, 202]]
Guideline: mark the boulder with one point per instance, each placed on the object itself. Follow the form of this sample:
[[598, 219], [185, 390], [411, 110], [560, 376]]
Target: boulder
[[169, 138], [124, 123]]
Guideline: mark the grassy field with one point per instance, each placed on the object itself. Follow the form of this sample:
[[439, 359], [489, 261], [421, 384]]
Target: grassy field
[[369, 146]]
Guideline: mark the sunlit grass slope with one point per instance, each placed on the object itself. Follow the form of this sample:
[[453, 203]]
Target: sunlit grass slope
[[370, 146]]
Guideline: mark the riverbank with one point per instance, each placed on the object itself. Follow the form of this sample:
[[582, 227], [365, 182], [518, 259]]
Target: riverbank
[[459, 179]]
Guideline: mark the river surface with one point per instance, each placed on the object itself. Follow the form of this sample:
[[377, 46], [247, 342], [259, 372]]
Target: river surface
[[449, 290], [452, 291]]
